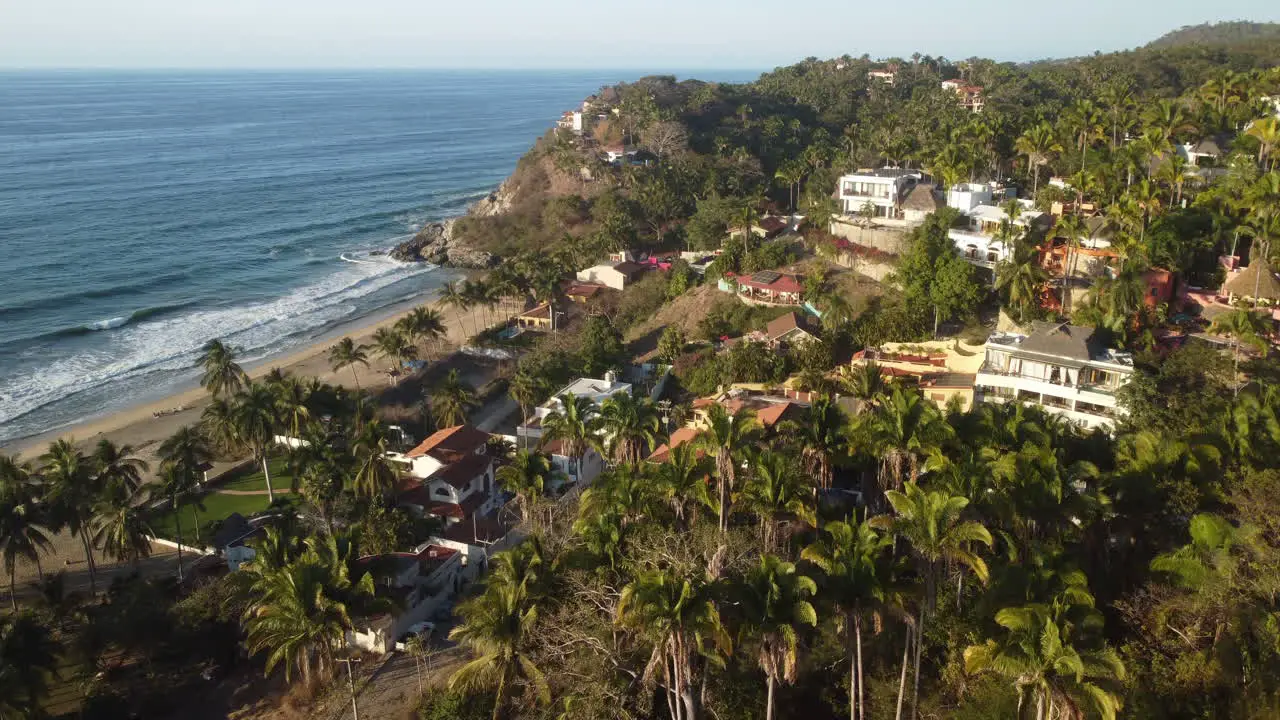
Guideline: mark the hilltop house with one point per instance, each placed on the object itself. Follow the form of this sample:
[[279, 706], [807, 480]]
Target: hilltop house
[[970, 96], [613, 275], [888, 75], [1063, 368], [878, 193]]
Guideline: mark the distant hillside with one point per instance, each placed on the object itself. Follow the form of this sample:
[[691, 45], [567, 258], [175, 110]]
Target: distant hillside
[[1218, 35]]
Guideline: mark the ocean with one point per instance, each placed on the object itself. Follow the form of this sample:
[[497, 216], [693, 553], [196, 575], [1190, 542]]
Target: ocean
[[144, 213]]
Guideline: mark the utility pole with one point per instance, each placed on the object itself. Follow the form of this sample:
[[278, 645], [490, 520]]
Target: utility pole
[[351, 682]]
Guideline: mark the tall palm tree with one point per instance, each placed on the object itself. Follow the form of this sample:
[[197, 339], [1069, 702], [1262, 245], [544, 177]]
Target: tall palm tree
[[1042, 648], [300, 606], [498, 628], [72, 491], [222, 376], [902, 430], [452, 400], [393, 345], [775, 605], [574, 425], [375, 475], [821, 436], [29, 658], [254, 426], [1020, 279], [775, 493], [1038, 145], [526, 389], [727, 436], [1070, 228], [120, 527], [526, 477], [853, 560], [175, 482], [293, 403], [116, 467], [864, 381], [421, 323], [22, 533], [1267, 132], [630, 426], [1242, 326], [451, 295], [1167, 119], [678, 616], [348, 354], [931, 523], [682, 479]]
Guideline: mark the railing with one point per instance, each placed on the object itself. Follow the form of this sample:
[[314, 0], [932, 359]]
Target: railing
[[989, 370]]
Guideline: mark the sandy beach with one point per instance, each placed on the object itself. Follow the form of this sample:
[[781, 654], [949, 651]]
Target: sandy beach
[[146, 425]]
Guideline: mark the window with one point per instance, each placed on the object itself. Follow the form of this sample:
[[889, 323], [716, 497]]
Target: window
[[938, 397], [442, 492]]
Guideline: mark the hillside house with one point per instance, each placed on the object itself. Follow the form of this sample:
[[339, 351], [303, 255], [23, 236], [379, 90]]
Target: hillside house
[[613, 275], [1063, 368], [878, 193], [978, 239], [450, 475], [789, 329], [767, 287], [969, 96], [920, 202]]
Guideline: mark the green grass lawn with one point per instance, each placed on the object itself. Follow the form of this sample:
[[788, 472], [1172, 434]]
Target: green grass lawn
[[216, 506]]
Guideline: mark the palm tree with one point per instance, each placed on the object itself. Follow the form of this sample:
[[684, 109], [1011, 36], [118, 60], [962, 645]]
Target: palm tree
[[792, 173], [22, 534], [525, 389], [930, 521], [727, 436], [775, 604], [391, 344], [1267, 132], [115, 466], [853, 559], [300, 607], [254, 422], [348, 354], [902, 430], [452, 400], [775, 494], [72, 492], [375, 475], [679, 618], [120, 527], [1070, 228], [421, 323], [175, 482], [526, 477], [29, 658], [574, 425], [1241, 326], [1167, 118], [222, 376], [864, 381], [497, 626], [1039, 145], [821, 436], [451, 295], [1043, 650], [630, 426], [293, 402], [1020, 278], [682, 479]]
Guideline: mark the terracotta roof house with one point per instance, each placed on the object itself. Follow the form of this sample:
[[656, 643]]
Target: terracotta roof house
[[680, 437], [538, 318], [583, 293], [449, 475], [789, 328], [768, 287]]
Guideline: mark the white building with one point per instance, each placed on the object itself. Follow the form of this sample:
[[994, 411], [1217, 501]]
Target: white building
[[888, 77], [881, 190], [967, 196], [613, 275], [978, 240], [449, 475], [1060, 367], [589, 464]]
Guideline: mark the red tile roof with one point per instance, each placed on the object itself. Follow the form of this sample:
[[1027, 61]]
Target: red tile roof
[[461, 472], [770, 416], [784, 283], [679, 437], [449, 444], [773, 225]]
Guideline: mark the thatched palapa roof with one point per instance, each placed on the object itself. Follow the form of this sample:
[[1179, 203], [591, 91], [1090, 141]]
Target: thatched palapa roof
[[1255, 281]]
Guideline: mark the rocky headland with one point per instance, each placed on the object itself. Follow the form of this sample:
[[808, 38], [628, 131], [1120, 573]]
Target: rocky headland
[[436, 243]]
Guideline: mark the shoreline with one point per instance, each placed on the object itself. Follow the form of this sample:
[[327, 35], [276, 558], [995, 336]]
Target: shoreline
[[145, 425]]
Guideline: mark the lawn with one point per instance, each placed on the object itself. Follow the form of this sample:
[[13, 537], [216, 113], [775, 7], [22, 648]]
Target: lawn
[[217, 506]]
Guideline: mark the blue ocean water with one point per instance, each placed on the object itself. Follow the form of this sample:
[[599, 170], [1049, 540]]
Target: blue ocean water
[[142, 214]]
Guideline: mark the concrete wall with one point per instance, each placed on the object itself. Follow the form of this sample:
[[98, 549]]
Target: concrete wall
[[890, 240]]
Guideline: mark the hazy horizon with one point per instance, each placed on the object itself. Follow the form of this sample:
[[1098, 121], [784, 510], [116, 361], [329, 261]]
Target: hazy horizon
[[565, 34]]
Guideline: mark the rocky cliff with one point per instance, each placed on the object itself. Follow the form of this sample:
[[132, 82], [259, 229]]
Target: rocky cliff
[[435, 244]]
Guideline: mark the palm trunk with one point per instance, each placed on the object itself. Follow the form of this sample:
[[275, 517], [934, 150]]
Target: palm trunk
[[915, 691], [266, 474], [88, 554], [857, 667], [497, 700], [356, 377], [13, 589], [769, 706], [177, 519], [902, 679]]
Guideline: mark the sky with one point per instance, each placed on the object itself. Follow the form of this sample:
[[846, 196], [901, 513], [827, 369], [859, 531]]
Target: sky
[[574, 34]]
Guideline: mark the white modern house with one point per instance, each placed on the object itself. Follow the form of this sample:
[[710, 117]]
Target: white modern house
[[1060, 367], [590, 464], [978, 238], [613, 275], [967, 196], [879, 191]]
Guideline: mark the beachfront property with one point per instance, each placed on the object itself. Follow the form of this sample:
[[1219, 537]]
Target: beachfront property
[[1063, 368], [969, 96], [450, 476], [616, 275], [978, 239], [766, 287], [877, 194]]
